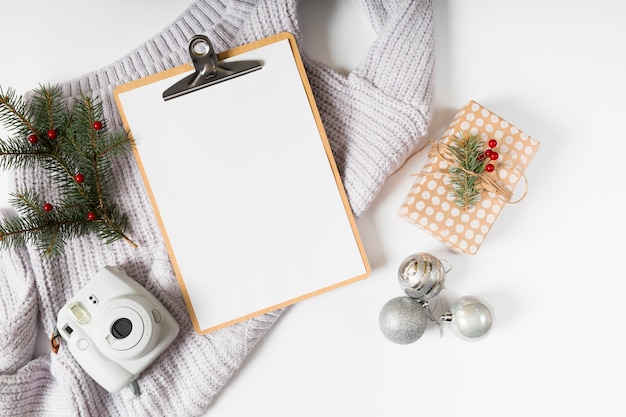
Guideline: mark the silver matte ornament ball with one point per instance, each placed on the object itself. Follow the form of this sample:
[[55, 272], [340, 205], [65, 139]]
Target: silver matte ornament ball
[[421, 276], [403, 320]]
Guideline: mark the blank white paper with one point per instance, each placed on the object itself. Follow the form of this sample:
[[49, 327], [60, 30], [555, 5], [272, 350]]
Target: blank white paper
[[241, 178]]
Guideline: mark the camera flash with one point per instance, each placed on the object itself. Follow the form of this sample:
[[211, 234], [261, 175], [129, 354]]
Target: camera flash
[[81, 315]]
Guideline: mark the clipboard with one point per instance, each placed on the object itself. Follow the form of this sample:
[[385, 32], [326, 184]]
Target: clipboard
[[243, 183]]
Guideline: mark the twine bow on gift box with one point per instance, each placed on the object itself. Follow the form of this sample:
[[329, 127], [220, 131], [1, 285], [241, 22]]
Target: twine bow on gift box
[[472, 171]]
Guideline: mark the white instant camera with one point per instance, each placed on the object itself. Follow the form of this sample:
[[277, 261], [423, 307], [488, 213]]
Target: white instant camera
[[115, 328]]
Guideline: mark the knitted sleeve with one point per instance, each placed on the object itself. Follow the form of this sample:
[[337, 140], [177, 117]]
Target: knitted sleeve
[[18, 310], [18, 326]]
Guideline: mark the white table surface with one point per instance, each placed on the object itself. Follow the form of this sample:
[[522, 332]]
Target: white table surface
[[550, 267]]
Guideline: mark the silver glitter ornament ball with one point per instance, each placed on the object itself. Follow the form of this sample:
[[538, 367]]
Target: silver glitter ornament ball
[[421, 276], [403, 320]]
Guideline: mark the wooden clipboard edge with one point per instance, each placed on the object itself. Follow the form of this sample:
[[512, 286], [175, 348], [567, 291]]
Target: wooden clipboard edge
[[172, 72], [284, 304]]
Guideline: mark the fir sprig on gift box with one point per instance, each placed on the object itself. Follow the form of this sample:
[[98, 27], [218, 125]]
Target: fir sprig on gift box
[[74, 148], [470, 162]]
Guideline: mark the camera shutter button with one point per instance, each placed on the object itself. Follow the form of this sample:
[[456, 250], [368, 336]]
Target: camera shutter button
[[156, 315], [83, 344]]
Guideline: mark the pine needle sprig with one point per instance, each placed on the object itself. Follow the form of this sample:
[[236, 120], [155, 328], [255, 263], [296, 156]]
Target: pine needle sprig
[[73, 146], [14, 113], [468, 155], [49, 110], [14, 156], [45, 230]]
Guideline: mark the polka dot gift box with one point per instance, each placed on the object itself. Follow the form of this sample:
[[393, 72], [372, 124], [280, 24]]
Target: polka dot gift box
[[503, 153]]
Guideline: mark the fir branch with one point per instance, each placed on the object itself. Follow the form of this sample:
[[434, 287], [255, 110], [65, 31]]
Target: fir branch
[[14, 232], [13, 155], [14, 113], [36, 226], [48, 109], [27, 203], [78, 157], [464, 174], [112, 225]]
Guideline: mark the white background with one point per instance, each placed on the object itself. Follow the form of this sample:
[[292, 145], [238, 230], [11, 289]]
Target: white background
[[551, 265]]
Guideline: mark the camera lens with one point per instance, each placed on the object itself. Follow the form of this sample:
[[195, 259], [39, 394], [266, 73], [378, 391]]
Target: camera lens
[[121, 328]]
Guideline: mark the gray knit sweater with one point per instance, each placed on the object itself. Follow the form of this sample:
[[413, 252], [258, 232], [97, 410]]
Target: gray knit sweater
[[375, 118]]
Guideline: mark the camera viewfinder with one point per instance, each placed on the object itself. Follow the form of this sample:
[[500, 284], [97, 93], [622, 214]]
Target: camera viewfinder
[[80, 313]]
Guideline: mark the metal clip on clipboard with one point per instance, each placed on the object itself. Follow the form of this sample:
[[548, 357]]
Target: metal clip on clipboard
[[209, 71]]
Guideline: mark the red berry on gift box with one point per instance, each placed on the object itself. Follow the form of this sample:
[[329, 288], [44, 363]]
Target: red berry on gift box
[[493, 143], [52, 134], [79, 178], [488, 153], [493, 155], [47, 207], [489, 167], [91, 216], [97, 125], [33, 139]]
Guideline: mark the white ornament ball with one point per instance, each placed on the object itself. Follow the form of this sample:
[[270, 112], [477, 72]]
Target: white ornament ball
[[470, 317], [403, 320]]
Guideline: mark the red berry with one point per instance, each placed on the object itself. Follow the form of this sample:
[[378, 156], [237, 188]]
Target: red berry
[[79, 178], [488, 152], [489, 167], [47, 207], [91, 216], [493, 155], [33, 139], [97, 125], [493, 143], [52, 134]]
